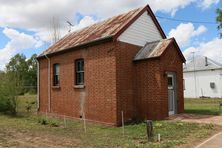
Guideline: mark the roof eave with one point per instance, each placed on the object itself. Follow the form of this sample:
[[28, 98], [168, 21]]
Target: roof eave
[[146, 59], [186, 71], [80, 46]]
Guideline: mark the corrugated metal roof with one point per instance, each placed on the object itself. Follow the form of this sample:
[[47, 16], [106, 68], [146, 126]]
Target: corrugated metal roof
[[153, 49], [201, 63], [104, 29]]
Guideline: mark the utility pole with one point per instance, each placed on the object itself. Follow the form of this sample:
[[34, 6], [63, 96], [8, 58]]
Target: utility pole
[[194, 75]]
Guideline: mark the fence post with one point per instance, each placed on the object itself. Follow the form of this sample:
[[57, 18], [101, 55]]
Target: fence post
[[84, 122], [64, 120], [220, 104], [123, 123], [149, 128]]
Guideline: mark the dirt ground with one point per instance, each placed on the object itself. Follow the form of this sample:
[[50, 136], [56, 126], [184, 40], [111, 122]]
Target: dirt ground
[[23, 139], [15, 136], [195, 118]]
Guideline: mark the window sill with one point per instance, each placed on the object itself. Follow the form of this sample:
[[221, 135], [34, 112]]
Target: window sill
[[55, 87], [79, 86]]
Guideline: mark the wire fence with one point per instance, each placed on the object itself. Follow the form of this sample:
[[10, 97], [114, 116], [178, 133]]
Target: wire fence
[[207, 106]]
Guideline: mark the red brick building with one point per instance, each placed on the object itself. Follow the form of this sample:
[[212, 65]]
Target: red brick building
[[123, 64]]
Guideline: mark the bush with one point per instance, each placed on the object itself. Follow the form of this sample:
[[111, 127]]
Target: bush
[[54, 123], [43, 121], [29, 105], [3, 105]]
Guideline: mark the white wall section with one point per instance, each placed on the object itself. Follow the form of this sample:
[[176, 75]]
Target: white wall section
[[143, 30], [203, 80]]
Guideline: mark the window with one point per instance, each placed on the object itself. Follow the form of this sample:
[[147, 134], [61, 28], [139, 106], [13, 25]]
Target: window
[[170, 81], [79, 70], [56, 75]]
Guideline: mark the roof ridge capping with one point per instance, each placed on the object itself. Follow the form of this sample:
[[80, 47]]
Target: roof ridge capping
[[98, 32], [106, 19]]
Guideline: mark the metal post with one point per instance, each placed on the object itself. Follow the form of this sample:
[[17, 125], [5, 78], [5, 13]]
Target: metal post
[[194, 74], [122, 122], [64, 119], [149, 127], [220, 104], [84, 122]]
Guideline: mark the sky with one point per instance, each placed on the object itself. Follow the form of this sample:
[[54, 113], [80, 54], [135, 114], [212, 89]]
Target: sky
[[26, 25]]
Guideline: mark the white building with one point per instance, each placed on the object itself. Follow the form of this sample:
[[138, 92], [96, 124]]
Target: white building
[[203, 78]]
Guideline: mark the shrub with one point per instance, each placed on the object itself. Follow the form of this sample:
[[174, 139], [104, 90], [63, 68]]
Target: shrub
[[43, 121], [3, 105], [54, 123], [29, 105]]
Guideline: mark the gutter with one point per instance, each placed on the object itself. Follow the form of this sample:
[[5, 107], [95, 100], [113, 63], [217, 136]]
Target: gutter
[[38, 91], [187, 71], [49, 83]]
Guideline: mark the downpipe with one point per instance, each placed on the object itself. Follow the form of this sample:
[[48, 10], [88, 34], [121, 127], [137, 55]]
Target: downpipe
[[38, 91], [49, 83]]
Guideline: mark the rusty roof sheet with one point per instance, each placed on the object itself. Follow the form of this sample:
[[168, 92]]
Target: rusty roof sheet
[[153, 49], [100, 30]]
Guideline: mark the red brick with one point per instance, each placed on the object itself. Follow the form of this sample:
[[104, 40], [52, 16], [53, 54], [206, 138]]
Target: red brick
[[113, 83]]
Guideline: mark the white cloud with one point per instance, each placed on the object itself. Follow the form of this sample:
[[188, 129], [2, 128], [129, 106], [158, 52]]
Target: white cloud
[[204, 4], [211, 49], [169, 6], [185, 31], [85, 21], [18, 42], [37, 15]]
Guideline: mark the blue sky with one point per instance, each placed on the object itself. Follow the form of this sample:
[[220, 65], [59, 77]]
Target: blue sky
[[26, 29], [193, 13]]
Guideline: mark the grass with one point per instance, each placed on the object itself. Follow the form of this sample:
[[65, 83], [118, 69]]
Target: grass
[[172, 133], [41, 131], [206, 106]]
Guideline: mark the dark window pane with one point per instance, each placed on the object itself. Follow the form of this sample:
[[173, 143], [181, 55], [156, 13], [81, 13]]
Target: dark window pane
[[82, 66], [170, 81], [79, 67], [56, 74]]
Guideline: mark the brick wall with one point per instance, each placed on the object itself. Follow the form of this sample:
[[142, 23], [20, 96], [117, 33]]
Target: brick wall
[[100, 84], [43, 90], [151, 84], [125, 54], [113, 83], [171, 61]]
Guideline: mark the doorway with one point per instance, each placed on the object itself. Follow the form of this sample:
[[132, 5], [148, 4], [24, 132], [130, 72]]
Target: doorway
[[171, 81]]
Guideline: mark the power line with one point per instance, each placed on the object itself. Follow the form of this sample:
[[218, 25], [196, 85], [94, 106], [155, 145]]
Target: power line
[[183, 20]]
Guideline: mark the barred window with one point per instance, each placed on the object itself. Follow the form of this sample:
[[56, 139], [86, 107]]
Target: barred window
[[79, 70]]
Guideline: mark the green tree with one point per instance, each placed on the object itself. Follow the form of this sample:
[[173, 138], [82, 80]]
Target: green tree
[[219, 19], [32, 73], [18, 69], [9, 91], [19, 77]]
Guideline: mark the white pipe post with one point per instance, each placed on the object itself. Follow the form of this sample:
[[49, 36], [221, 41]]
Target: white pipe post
[[158, 137], [122, 122]]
